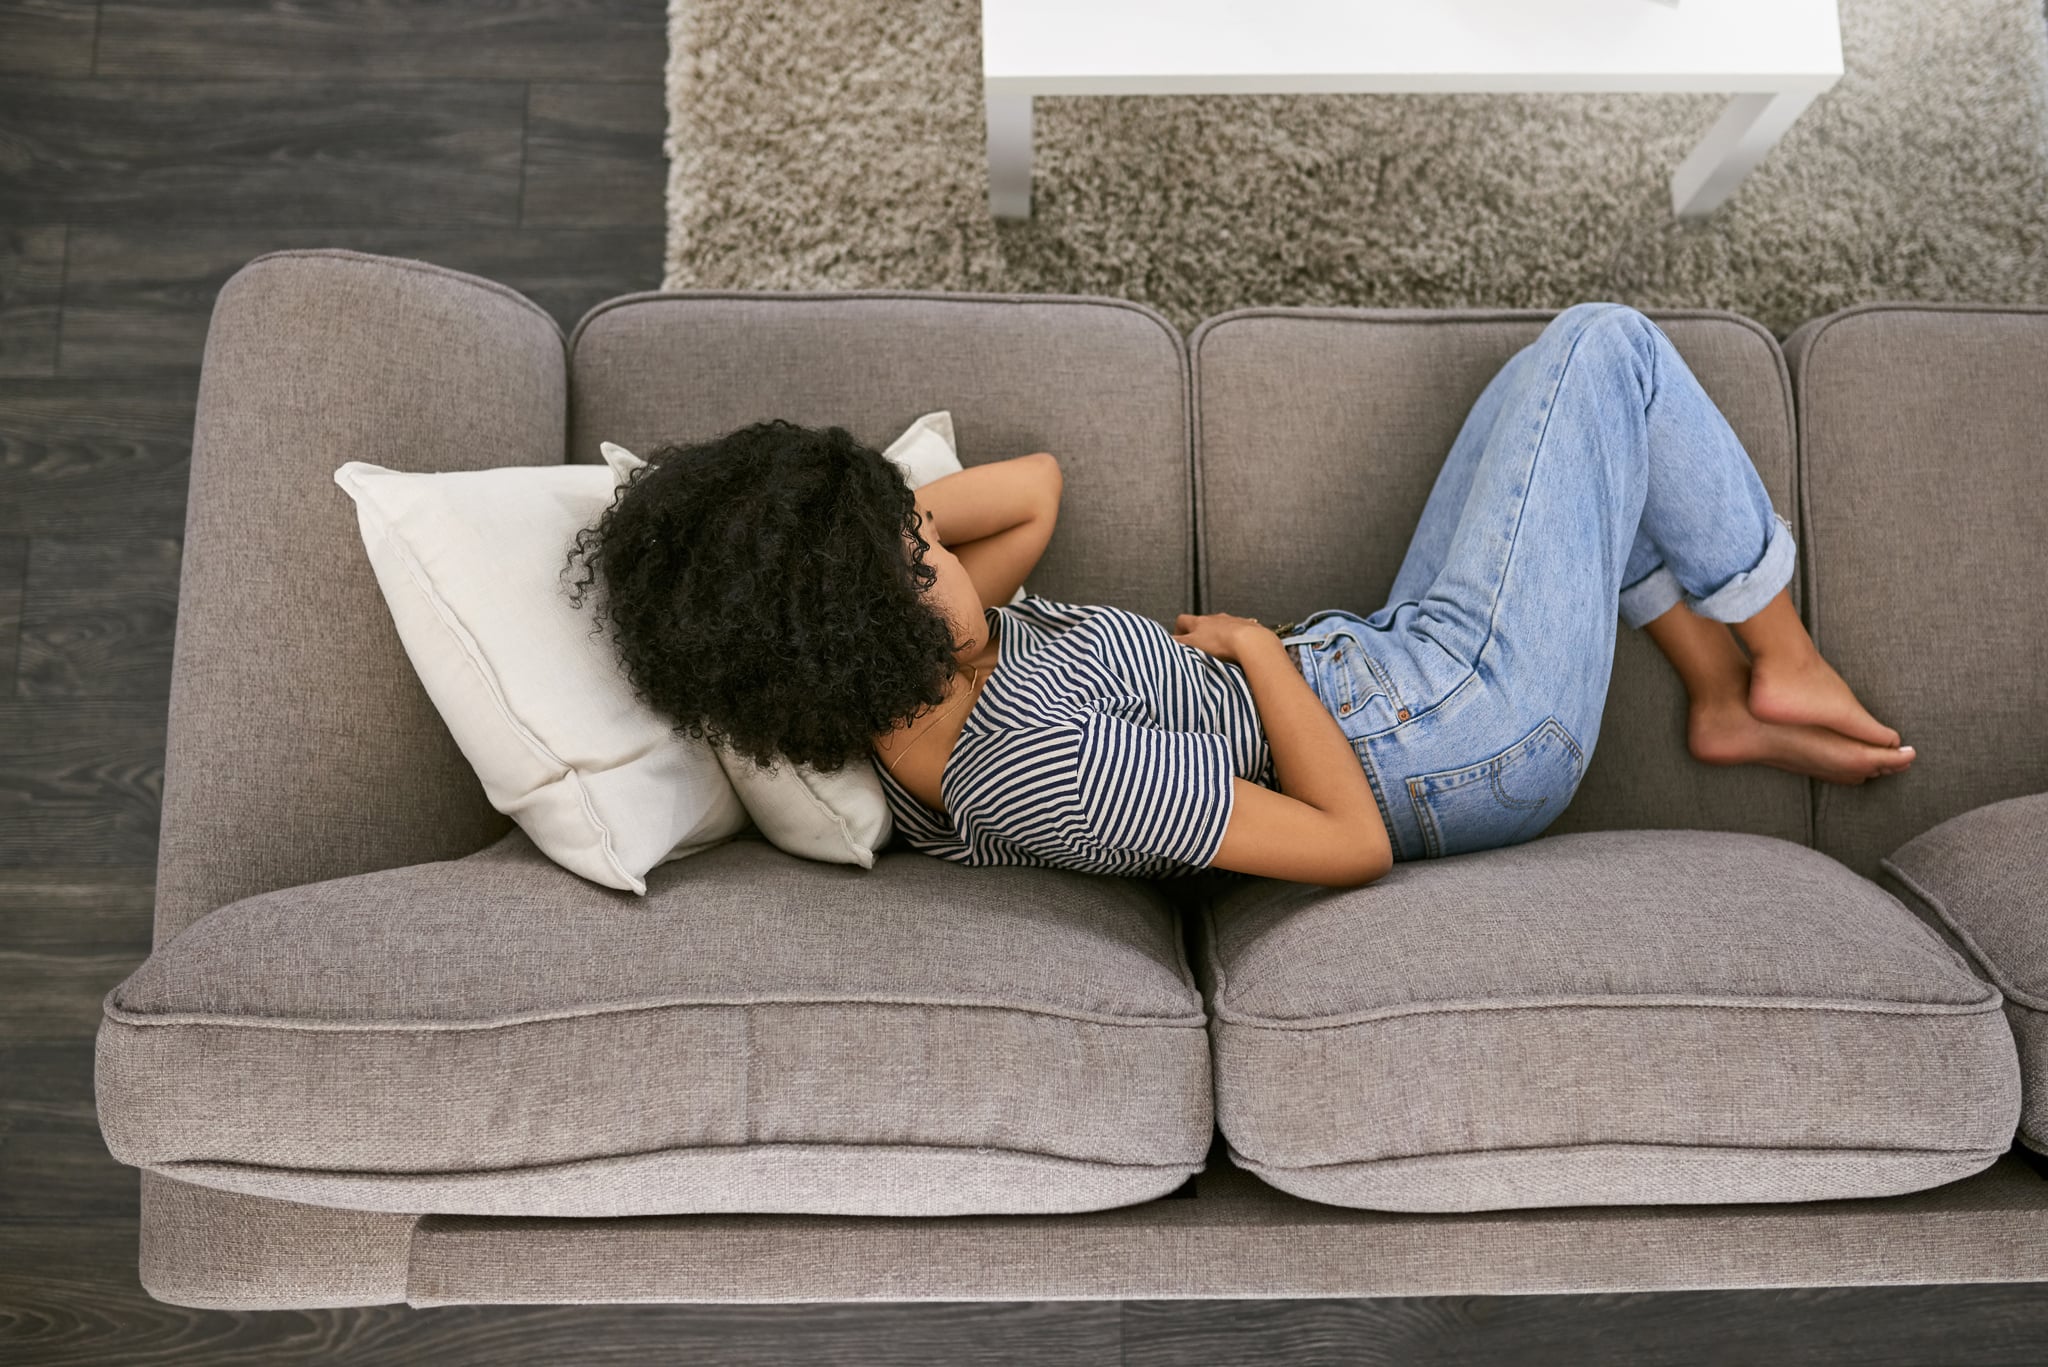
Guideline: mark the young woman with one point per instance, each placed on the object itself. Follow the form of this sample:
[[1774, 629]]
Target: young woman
[[780, 590]]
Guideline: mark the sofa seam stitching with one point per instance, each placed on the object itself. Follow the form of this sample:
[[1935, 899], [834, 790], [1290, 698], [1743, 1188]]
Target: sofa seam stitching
[[170, 1167], [1911, 1009], [1492, 1150], [128, 1016], [969, 298], [379, 260], [2000, 979]]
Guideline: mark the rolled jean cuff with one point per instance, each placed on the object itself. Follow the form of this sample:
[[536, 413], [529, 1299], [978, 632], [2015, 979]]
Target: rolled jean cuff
[[1650, 597], [1744, 596]]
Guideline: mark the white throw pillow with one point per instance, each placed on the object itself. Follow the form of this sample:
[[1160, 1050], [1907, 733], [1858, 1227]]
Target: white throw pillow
[[840, 818], [472, 566]]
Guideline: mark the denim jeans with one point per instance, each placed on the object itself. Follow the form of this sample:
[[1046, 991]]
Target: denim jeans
[[1593, 479]]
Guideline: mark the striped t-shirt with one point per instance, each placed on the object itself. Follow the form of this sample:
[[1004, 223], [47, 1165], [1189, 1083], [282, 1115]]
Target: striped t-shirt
[[1099, 743]]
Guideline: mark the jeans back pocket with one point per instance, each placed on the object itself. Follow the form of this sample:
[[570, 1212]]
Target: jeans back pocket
[[1501, 800]]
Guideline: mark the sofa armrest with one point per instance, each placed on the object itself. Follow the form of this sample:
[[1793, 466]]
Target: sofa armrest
[[300, 744], [1982, 878]]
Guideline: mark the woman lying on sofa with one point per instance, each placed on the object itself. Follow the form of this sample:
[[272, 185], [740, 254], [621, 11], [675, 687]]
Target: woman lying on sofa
[[783, 590]]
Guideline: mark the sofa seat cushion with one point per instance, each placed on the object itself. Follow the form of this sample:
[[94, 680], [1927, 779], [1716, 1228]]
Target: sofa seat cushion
[[760, 1033], [1983, 876], [1600, 1017]]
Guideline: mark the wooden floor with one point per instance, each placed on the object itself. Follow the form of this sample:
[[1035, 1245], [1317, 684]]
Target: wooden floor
[[148, 149]]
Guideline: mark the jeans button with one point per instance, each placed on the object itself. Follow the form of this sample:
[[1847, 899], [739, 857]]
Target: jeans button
[[1343, 707], [1404, 714]]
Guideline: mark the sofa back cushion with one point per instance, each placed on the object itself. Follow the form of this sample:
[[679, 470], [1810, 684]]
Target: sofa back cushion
[[1925, 521], [1319, 433], [1102, 384]]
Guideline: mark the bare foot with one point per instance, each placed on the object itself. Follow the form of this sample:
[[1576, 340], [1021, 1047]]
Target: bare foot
[[1726, 732], [1804, 689]]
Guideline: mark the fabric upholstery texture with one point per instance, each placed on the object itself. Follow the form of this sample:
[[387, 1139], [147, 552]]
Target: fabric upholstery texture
[[1236, 1237], [1603, 1016], [495, 1034], [1240, 1238], [1372, 402], [365, 1005], [1100, 383], [223, 1251], [1985, 875], [300, 743], [1924, 524]]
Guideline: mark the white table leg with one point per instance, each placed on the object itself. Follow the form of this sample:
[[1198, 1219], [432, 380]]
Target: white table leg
[[1009, 155], [1749, 127]]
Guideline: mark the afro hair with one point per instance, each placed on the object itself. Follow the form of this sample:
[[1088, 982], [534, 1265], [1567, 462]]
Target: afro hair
[[759, 594]]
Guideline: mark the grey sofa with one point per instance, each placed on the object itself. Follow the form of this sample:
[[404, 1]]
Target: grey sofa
[[1718, 1027]]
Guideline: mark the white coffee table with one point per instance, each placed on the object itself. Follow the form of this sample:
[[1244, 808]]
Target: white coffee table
[[1773, 56]]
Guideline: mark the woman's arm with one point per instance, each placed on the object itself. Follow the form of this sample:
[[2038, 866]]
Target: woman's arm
[[1324, 825], [1316, 766], [996, 518], [985, 499]]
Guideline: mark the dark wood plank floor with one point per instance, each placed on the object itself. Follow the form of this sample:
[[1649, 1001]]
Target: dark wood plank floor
[[147, 151]]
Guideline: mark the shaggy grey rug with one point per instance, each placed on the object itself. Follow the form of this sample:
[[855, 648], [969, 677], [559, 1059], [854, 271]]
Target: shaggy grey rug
[[838, 144]]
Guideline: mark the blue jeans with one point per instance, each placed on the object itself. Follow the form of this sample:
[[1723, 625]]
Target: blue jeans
[[1592, 474]]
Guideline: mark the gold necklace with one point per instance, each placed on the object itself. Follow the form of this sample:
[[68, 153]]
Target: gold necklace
[[891, 765]]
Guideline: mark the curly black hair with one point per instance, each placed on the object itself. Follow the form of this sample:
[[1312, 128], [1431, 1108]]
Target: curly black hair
[[758, 593]]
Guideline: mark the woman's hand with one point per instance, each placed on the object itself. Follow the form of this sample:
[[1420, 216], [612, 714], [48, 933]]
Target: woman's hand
[[1217, 633]]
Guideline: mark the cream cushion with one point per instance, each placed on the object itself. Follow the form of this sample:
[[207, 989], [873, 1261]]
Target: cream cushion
[[474, 568], [840, 818]]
